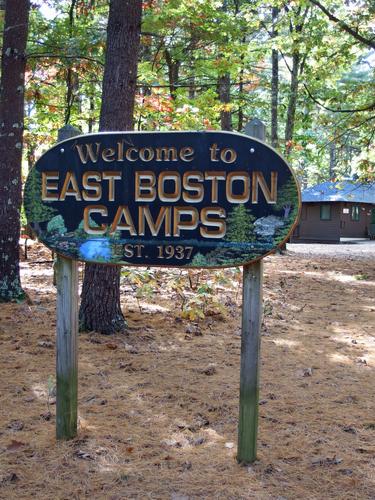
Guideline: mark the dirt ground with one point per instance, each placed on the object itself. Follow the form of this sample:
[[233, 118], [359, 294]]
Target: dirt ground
[[158, 408]]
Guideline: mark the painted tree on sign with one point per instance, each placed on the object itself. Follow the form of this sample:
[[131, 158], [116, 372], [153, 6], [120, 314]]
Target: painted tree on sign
[[287, 199], [35, 209], [240, 224]]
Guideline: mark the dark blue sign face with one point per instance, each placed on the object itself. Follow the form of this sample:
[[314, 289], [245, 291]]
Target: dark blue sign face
[[191, 199]]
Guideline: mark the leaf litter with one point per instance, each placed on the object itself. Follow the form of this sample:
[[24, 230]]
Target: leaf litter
[[152, 423]]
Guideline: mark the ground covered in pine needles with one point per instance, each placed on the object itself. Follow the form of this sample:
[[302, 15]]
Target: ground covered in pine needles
[[158, 408]]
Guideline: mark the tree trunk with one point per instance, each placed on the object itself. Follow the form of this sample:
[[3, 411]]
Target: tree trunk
[[223, 86], [173, 73], [100, 302], [274, 84], [240, 124], [291, 114], [332, 160], [13, 63]]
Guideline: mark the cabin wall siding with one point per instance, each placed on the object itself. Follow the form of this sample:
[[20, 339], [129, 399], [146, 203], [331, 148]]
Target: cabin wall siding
[[341, 225], [355, 229], [314, 229]]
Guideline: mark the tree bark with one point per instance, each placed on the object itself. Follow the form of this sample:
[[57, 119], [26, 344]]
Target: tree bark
[[223, 86], [173, 73], [13, 64], [292, 104], [274, 84], [332, 160], [100, 301]]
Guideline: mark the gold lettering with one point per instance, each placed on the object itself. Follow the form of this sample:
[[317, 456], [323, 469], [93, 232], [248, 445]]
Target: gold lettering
[[169, 176], [52, 186], [189, 225], [228, 155], [270, 195], [89, 152], [193, 186], [129, 152], [214, 149], [245, 195], [150, 154], [108, 154], [214, 176], [111, 176], [170, 154], [145, 186], [91, 186], [127, 225], [128, 250], [66, 190], [120, 151], [186, 152], [213, 222], [163, 216], [91, 209]]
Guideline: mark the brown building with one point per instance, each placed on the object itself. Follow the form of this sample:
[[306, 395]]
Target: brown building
[[335, 210]]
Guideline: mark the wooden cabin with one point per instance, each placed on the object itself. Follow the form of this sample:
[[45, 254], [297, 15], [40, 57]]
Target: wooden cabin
[[335, 210]]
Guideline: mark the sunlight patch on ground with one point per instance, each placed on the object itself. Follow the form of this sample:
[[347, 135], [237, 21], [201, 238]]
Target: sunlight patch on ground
[[340, 358], [331, 275], [27, 271], [286, 342], [151, 308], [214, 437]]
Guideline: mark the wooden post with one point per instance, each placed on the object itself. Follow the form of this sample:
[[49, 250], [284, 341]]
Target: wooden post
[[249, 374], [66, 336], [66, 348], [252, 297]]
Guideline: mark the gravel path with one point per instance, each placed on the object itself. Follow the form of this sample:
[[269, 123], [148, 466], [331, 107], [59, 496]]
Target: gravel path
[[356, 249]]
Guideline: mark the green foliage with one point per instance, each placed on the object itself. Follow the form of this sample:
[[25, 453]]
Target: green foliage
[[203, 303], [240, 225], [36, 210], [56, 225], [199, 260], [143, 283], [186, 47], [287, 198]]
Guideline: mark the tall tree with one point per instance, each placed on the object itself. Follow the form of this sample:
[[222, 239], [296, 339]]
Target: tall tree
[[100, 302], [296, 26], [274, 82], [13, 63]]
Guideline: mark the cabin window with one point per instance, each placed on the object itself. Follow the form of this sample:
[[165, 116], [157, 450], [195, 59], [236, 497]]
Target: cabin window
[[355, 212], [325, 212], [373, 216]]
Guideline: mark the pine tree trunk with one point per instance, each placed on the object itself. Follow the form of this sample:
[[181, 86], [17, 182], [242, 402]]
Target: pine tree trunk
[[292, 104], [173, 73], [100, 301], [274, 84], [332, 160], [13, 63], [223, 86]]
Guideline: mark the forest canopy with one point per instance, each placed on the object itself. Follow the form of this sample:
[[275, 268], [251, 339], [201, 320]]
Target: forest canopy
[[305, 69]]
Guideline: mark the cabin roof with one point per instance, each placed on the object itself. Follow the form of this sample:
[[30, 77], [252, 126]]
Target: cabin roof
[[346, 191]]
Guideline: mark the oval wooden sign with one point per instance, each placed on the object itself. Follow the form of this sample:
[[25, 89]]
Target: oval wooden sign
[[191, 199]]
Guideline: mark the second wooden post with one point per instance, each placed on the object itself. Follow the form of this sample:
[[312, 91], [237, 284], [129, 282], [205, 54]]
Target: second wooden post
[[249, 375]]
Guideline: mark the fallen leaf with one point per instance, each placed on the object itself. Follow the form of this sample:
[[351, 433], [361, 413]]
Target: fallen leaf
[[326, 461], [15, 445], [83, 455], [16, 425]]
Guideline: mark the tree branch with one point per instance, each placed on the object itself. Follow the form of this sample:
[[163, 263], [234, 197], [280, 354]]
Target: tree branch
[[369, 107], [344, 26], [60, 56]]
